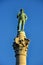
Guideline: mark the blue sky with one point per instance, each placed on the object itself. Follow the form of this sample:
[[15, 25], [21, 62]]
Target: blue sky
[[33, 29]]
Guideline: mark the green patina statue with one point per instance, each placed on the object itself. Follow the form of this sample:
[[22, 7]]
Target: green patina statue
[[22, 17]]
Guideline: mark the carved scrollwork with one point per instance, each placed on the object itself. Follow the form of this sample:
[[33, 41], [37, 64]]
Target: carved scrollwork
[[21, 44]]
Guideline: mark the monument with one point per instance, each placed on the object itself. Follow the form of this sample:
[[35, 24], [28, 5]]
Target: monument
[[20, 44]]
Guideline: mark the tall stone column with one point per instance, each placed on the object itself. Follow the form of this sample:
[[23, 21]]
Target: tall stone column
[[21, 43], [20, 47]]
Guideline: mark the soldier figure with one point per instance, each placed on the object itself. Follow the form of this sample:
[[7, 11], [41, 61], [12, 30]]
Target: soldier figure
[[22, 17]]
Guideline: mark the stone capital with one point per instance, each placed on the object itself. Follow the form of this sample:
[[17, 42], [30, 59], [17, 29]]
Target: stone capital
[[21, 43]]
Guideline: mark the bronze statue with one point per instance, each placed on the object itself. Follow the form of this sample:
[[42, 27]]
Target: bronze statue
[[22, 17]]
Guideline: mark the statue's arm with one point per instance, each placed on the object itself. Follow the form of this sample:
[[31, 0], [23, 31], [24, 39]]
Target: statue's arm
[[18, 15], [26, 17]]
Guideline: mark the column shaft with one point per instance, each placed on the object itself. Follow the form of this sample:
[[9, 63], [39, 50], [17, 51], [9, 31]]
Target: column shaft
[[20, 60]]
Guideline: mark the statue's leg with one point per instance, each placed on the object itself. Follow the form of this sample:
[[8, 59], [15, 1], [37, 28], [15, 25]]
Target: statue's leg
[[19, 25], [22, 28]]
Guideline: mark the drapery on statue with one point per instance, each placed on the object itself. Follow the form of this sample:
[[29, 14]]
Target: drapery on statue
[[22, 17]]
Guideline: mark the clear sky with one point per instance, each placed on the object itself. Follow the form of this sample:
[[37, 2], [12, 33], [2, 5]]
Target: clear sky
[[33, 29]]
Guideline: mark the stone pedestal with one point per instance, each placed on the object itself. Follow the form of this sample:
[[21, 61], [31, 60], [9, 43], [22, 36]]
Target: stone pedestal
[[20, 46]]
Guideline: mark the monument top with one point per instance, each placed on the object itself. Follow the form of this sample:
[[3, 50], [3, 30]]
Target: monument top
[[22, 17]]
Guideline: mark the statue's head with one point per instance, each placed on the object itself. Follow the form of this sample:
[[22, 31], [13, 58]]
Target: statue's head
[[21, 10]]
